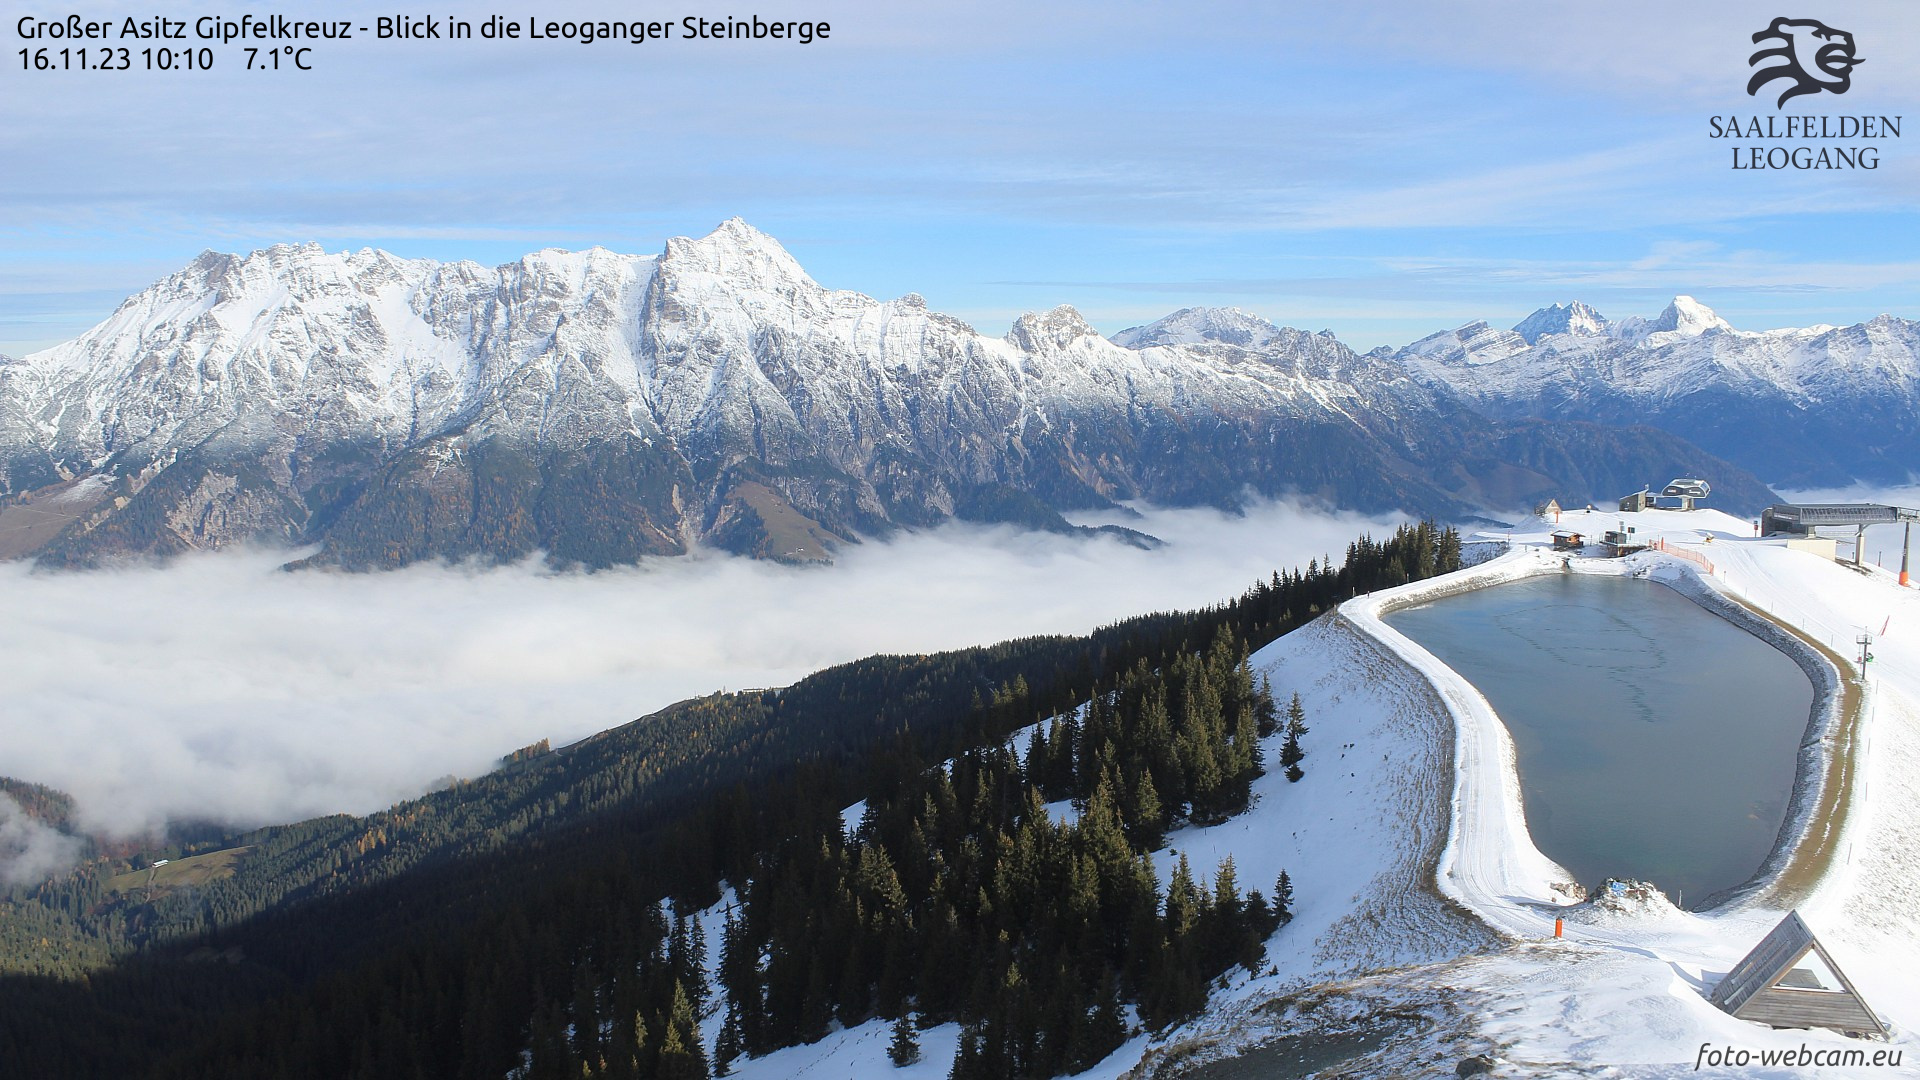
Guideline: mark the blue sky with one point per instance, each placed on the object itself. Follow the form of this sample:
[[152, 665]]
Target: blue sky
[[1382, 171]]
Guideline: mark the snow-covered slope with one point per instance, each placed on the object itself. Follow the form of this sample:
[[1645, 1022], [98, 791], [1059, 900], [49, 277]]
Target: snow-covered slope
[[1196, 325], [1423, 933], [604, 407], [1819, 405], [1573, 318], [1684, 316], [1359, 838]]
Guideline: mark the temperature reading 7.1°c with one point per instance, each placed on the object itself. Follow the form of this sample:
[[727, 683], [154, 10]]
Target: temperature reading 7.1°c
[[274, 59]]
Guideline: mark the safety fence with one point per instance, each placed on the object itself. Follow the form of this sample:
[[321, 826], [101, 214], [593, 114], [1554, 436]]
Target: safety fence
[[1682, 553]]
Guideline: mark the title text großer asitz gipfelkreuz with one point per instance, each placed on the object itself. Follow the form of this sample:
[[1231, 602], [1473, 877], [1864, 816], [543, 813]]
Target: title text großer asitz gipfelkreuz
[[206, 28], [1805, 141]]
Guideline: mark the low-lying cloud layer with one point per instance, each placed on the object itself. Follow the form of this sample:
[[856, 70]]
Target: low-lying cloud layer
[[219, 688], [30, 849]]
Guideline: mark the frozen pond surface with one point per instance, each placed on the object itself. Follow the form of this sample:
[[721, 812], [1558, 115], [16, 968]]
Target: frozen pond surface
[[1655, 740]]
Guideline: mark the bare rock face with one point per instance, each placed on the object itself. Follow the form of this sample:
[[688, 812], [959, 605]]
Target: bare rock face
[[603, 408]]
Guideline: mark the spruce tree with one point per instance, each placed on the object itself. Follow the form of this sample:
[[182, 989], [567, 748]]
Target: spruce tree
[[1249, 760], [904, 1050], [1101, 1032], [1183, 901], [1290, 751], [1226, 891], [1266, 716], [1260, 922], [696, 977], [1037, 756], [1447, 551], [1146, 818], [682, 1057], [966, 1057], [727, 1045], [640, 1056], [1283, 899], [740, 977]]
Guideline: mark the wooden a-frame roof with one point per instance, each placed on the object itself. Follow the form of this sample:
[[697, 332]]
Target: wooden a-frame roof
[[1768, 986]]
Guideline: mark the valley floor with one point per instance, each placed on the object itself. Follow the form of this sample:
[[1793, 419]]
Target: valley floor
[[1423, 929]]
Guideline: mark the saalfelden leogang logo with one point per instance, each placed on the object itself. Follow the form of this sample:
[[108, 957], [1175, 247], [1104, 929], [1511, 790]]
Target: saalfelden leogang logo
[[1800, 58]]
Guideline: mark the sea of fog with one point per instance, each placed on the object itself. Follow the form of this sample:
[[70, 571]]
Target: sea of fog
[[220, 688]]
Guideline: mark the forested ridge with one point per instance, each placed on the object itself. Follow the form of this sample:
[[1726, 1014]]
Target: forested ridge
[[515, 920]]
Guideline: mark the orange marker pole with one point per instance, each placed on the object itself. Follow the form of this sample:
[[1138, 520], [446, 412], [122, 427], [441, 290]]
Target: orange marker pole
[[1906, 541], [1559, 927]]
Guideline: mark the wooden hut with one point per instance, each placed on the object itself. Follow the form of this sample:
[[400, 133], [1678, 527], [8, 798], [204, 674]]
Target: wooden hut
[[1618, 542], [1778, 986]]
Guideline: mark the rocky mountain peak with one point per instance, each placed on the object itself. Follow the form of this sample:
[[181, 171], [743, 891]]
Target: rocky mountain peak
[[1569, 318], [1197, 325], [1054, 329], [737, 252], [1685, 316], [1688, 316]]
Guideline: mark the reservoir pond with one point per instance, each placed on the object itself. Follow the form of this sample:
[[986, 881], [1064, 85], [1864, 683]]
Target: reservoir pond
[[1655, 740]]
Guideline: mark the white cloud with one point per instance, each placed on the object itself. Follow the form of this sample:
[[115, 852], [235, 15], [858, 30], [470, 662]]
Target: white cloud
[[222, 688], [29, 849]]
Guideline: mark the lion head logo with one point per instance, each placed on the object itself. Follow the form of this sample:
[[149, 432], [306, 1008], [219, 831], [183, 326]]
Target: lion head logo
[[1815, 56]]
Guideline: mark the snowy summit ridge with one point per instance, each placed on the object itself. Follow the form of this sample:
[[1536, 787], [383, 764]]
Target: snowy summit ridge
[[1199, 325], [1573, 318], [1818, 406], [603, 407]]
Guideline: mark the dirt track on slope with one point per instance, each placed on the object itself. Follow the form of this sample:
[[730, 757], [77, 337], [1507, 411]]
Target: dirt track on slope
[[1819, 844]]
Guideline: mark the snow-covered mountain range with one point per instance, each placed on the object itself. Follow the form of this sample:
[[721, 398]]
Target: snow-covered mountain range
[[604, 407], [1814, 407]]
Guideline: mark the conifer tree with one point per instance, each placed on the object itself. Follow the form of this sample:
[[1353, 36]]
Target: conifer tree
[[1266, 716], [1290, 751], [1037, 755], [1248, 759], [727, 1045], [890, 992], [682, 1057], [1447, 551], [1226, 891], [1101, 1032], [966, 1057], [1283, 899], [696, 976], [640, 1060], [1183, 901], [904, 1050], [1260, 922], [1146, 817], [740, 978]]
